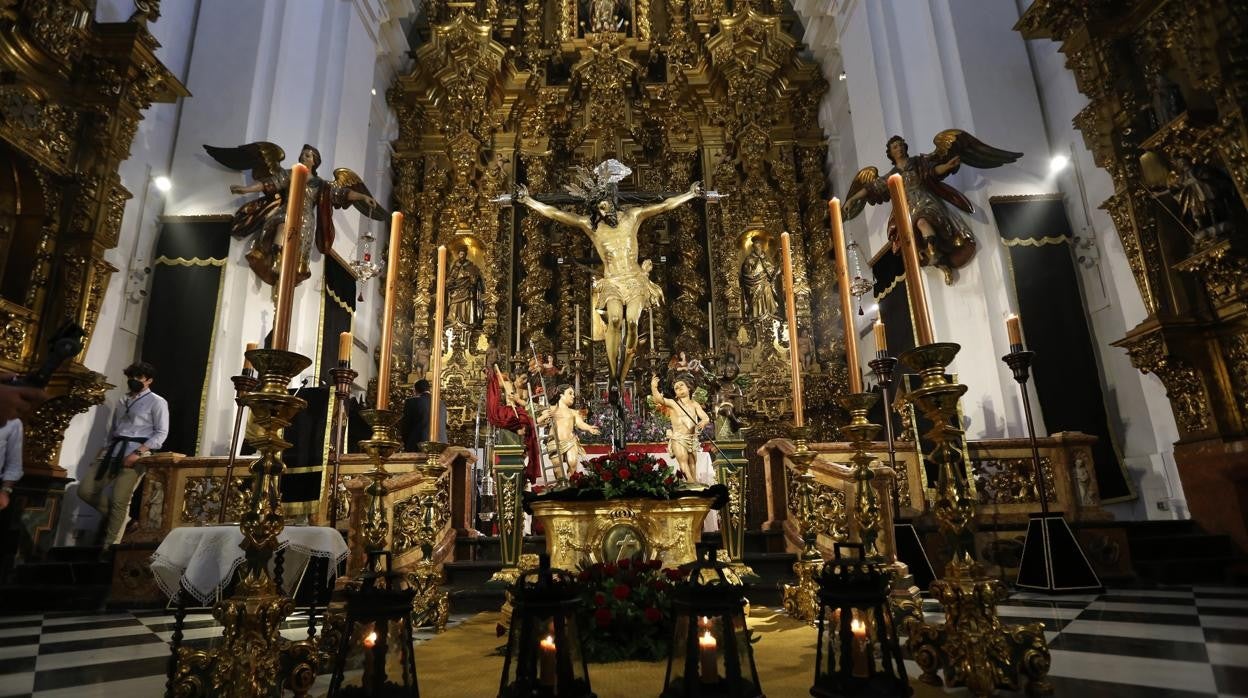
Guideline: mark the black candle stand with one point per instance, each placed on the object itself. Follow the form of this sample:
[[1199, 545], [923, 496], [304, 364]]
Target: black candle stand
[[1052, 561], [906, 539]]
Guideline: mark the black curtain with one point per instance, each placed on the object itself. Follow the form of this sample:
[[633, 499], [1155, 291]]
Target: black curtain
[[890, 294], [305, 459], [1037, 235], [339, 304], [181, 315]]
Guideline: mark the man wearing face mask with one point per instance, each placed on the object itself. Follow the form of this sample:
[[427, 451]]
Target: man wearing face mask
[[140, 425]]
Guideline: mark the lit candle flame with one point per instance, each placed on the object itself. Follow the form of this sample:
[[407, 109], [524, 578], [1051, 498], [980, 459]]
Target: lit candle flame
[[549, 643], [370, 639], [858, 628], [707, 641]]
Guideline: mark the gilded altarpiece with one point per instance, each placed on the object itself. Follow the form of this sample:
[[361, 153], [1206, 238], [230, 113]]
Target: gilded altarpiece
[[1167, 117], [72, 92], [507, 93]]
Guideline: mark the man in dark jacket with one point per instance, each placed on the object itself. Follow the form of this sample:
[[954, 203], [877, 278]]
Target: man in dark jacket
[[414, 428]]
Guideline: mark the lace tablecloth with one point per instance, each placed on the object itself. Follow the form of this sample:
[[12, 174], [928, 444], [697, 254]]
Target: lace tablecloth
[[202, 559]]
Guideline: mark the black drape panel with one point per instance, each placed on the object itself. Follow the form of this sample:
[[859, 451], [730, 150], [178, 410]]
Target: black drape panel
[[1037, 234], [890, 295], [305, 459], [339, 309], [181, 316]]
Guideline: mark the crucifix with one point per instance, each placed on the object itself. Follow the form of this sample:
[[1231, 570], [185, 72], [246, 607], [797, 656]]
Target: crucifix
[[625, 288]]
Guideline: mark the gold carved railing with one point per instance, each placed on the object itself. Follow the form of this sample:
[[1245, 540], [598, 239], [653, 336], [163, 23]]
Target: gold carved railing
[[181, 491], [1000, 470]]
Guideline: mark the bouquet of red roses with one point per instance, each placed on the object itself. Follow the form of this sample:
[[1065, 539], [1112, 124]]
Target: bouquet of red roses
[[626, 610], [627, 474]]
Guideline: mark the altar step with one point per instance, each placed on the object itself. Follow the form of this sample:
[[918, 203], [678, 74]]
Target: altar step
[[477, 559], [1180, 552]]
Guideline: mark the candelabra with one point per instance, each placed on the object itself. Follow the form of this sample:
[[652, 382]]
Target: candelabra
[[861, 433], [252, 658], [375, 525], [972, 647], [1052, 560], [906, 541], [343, 376], [431, 606], [801, 600], [243, 384]]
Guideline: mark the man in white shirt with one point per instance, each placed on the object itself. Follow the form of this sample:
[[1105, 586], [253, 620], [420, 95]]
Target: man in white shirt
[[10, 459], [140, 426]]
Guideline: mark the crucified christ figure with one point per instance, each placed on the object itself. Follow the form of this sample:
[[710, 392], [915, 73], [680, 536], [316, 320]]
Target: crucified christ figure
[[625, 288]]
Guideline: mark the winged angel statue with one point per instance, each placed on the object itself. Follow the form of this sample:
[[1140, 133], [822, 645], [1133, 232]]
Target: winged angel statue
[[947, 242], [264, 218]]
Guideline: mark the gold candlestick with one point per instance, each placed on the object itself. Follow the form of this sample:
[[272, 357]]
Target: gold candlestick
[[847, 306], [252, 658], [375, 527], [387, 313], [861, 434], [790, 312], [801, 600], [972, 648], [915, 291], [439, 318], [291, 246]]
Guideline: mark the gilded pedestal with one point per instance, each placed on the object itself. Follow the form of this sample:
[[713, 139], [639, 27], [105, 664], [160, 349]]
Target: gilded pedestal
[[582, 533]]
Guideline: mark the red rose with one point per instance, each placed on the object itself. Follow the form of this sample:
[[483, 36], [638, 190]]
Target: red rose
[[672, 574], [653, 615], [602, 617], [622, 591], [633, 458], [655, 564], [609, 569], [667, 480], [624, 474], [606, 476], [600, 599], [624, 564], [583, 576]]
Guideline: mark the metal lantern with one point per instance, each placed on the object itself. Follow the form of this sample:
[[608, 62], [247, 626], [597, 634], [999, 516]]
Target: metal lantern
[[377, 642], [710, 655], [858, 652], [544, 657]]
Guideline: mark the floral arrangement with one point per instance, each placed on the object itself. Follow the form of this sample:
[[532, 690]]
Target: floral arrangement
[[626, 610], [627, 474]]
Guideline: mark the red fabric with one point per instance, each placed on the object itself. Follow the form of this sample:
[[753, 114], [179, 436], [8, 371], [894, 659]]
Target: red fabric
[[513, 418]]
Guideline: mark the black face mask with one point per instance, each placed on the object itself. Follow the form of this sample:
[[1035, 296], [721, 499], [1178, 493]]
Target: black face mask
[[134, 384]]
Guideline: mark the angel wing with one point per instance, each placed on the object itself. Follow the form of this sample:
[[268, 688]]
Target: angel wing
[[348, 179], [874, 190], [974, 152], [262, 158]]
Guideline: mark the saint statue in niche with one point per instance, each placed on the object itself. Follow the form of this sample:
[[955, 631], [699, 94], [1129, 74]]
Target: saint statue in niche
[[945, 241], [264, 218], [606, 15], [464, 289], [758, 283]]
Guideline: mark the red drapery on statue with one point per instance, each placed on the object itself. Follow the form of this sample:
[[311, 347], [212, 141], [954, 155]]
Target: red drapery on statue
[[515, 419]]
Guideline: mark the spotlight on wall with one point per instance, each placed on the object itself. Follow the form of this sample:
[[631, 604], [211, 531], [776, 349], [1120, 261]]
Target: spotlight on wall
[[373, 91], [841, 77], [1058, 163], [162, 183]]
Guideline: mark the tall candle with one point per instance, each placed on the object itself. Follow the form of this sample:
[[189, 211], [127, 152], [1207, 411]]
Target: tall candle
[[710, 324], [344, 347], [790, 310], [1015, 332], [576, 348], [246, 361], [881, 340], [707, 650], [847, 304], [387, 313], [439, 319], [915, 291], [546, 667], [289, 271], [651, 310], [519, 314]]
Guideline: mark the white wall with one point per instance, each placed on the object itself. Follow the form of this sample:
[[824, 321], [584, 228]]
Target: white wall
[[289, 71]]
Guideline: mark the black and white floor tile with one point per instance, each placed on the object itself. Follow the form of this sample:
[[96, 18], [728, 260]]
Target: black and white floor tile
[[1189, 642]]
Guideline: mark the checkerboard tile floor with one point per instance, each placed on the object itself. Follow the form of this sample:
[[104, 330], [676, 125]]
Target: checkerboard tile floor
[[1180, 642]]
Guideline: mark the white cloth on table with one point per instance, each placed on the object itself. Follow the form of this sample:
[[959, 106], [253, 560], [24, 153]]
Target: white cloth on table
[[202, 559]]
